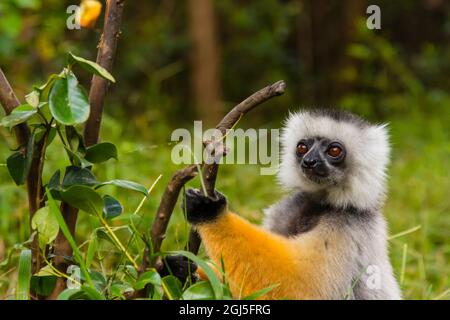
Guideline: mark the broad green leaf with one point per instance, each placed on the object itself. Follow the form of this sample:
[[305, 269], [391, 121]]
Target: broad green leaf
[[18, 115], [24, 276], [33, 98], [210, 273], [43, 285], [112, 207], [75, 139], [92, 293], [119, 289], [101, 152], [83, 198], [149, 277], [55, 181], [68, 101], [199, 291], [77, 159], [40, 133], [46, 225], [71, 294], [99, 280], [172, 287], [44, 90], [102, 235], [131, 271], [126, 184], [78, 176], [91, 67], [65, 230], [19, 163]]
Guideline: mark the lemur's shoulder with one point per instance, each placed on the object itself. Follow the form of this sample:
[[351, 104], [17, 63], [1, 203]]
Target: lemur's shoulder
[[292, 215]]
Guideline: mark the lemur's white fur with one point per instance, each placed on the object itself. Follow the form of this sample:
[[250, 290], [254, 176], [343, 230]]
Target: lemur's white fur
[[367, 158], [362, 236]]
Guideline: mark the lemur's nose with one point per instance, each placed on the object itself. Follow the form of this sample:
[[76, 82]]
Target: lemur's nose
[[309, 163]]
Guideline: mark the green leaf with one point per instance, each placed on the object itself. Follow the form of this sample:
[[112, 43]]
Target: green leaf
[[199, 291], [19, 115], [92, 293], [71, 294], [210, 273], [172, 287], [119, 289], [149, 277], [112, 207], [126, 184], [83, 198], [55, 181], [78, 176], [23, 281], [46, 225], [19, 163], [78, 159], [101, 152], [33, 98], [99, 280], [44, 90], [40, 133], [65, 230], [44, 285], [92, 249], [75, 139], [257, 294], [68, 102], [91, 67]]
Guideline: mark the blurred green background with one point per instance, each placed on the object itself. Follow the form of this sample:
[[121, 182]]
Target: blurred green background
[[178, 61]]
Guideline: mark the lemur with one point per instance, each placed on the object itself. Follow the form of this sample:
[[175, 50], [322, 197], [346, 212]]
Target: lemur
[[328, 238]]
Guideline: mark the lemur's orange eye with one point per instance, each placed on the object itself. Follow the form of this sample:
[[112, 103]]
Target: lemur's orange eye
[[302, 148], [335, 151]]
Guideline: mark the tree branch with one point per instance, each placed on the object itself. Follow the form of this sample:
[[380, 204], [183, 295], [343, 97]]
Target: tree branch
[[9, 101], [165, 209], [105, 58], [99, 86], [210, 170], [181, 177]]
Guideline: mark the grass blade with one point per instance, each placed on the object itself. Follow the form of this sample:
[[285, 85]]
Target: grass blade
[[65, 230], [23, 283]]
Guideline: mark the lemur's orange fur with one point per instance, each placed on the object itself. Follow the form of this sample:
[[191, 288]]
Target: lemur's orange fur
[[255, 259]]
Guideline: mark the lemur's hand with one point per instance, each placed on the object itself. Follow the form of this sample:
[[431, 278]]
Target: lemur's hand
[[178, 266], [201, 208]]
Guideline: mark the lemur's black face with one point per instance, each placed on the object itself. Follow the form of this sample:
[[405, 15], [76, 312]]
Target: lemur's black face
[[322, 160]]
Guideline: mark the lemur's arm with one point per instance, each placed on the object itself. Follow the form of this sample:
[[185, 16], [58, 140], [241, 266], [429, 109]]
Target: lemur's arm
[[254, 258]]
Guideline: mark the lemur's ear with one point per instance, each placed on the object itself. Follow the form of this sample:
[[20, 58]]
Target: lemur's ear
[[200, 208]]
